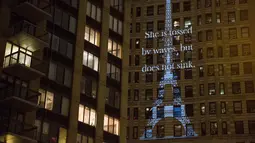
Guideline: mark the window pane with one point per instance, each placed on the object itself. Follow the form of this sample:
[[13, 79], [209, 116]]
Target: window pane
[[81, 113], [65, 106]]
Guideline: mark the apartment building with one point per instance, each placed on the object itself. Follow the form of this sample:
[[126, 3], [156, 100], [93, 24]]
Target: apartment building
[[218, 92], [63, 71]]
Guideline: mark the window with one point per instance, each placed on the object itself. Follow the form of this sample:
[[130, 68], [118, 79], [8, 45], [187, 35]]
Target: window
[[201, 71], [87, 115], [89, 86], [113, 98], [161, 25], [93, 11], [138, 27], [217, 3], [65, 106], [149, 77], [244, 15], [128, 113], [62, 135], [136, 77], [114, 48], [189, 130], [187, 39], [150, 10], [231, 2], [113, 72], [176, 7], [148, 113], [149, 59], [135, 114], [218, 34], [137, 60], [236, 88], [137, 43], [148, 132], [199, 20], [243, 1], [209, 35], [188, 91], [62, 46], [249, 87], [148, 94], [198, 4], [220, 52], [239, 127], [84, 139], [247, 67], [250, 106], [212, 108], [245, 32], [117, 4], [218, 17], [202, 109], [161, 9], [200, 36], [233, 52], [90, 61], [211, 89], [116, 25], [208, 3], [214, 128], [231, 17], [222, 88], [232, 33], [223, 107], [138, 11], [46, 99], [92, 36], [160, 58], [111, 125], [221, 69], [187, 22], [186, 6], [160, 75], [200, 54], [150, 26], [160, 131], [224, 128], [189, 110], [160, 112], [234, 69], [188, 73], [201, 90], [136, 94], [251, 125], [149, 43], [65, 20], [187, 56], [177, 130], [210, 52], [237, 105], [127, 134], [135, 132], [246, 49], [208, 18], [211, 71], [203, 129]]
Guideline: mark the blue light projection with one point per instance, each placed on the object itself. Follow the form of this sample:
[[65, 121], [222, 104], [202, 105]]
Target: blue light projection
[[176, 109]]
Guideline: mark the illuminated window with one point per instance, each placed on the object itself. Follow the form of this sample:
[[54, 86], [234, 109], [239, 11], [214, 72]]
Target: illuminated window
[[84, 139], [177, 130], [176, 23], [231, 17], [202, 109], [214, 128], [148, 113], [212, 108], [208, 18], [114, 48], [187, 22], [65, 106], [223, 107], [90, 61], [115, 25], [222, 88], [111, 125], [201, 71], [92, 36], [62, 135], [93, 11], [87, 115], [46, 99], [211, 89], [237, 105], [218, 17]]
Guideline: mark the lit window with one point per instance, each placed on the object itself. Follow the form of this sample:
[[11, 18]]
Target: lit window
[[214, 128], [114, 48], [202, 109], [115, 25], [92, 36], [231, 17], [90, 61], [87, 115], [113, 72], [93, 12], [46, 99], [211, 89], [111, 125], [62, 135]]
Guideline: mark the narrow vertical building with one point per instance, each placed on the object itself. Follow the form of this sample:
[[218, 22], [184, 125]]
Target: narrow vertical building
[[64, 71]]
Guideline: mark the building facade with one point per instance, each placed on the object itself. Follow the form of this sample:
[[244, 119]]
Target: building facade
[[63, 71], [217, 93]]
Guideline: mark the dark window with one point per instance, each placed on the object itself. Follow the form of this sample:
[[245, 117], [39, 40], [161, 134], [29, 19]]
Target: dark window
[[200, 36], [138, 11], [243, 1], [136, 95], [201, 90], [160, 75], [149, 76], [149, 26], [217, 3], [186, 6], [210, 52], [249, 86], [245, 32], [220, 52], [148, 113], [201, 71], [232, 33], [214, 128], [160, 58], [211, 89], [137, 27], [239, 127], [233, 52], [224, 128], [137, 43], [219, 34], [247, 67], [149, 43], [176, 7], [212, 108], [188, 73], [208, 18], [234, 69], [221, 69], [210, 70], [188, 91], [135, 115], [161, 25], [237, 105], [150, 10], [209, 35], [231, 2], [199, 20], [223, 107], [187, 56], [243, 15], [250, 106], [177, 130], [136, 77], [148, 94], [160, 131], [231, 17], [189, 110], [208, 3], [137, 60], [149, 59], [251, 125], [246, 49], [161, 9], [148, 132], [200, 53], [129, 95], [198, 4], [236, 88], [203, 129], [135, 132], [128, 113], [160, 112]]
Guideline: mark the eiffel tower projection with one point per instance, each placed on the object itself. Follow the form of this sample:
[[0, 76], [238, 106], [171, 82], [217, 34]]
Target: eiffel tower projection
[[176, 109]]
